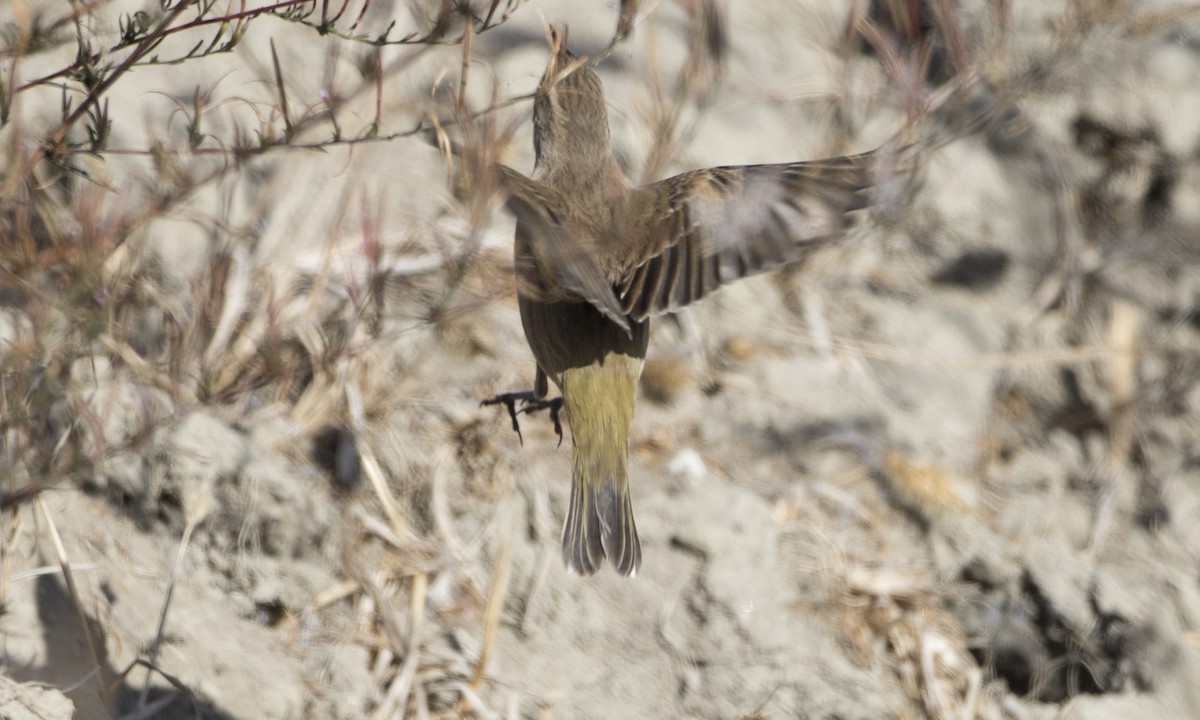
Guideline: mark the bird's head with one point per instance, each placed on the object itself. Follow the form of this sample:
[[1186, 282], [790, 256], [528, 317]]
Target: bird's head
[[570, 119]]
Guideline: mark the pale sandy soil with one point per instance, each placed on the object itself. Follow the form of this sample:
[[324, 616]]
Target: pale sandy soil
[[950, 468]]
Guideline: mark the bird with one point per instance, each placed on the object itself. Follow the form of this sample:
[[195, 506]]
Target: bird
[[596, 258]]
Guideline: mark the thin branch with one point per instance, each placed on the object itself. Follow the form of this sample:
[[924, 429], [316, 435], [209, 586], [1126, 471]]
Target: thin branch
[[56, 138]]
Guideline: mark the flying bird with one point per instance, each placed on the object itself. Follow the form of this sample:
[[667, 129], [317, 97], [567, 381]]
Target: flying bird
[[597, 257]]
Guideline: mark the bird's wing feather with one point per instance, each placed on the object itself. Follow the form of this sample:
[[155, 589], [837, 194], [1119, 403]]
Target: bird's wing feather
[[554, 253], [711, 227]]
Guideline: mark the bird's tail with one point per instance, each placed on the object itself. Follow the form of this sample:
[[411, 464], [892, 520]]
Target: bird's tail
[[599, 399]]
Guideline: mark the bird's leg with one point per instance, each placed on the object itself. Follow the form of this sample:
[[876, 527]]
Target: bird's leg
[[530, 403], [509, 400], [554, 405]]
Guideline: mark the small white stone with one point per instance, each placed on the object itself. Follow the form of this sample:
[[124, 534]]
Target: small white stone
[[688, 464]]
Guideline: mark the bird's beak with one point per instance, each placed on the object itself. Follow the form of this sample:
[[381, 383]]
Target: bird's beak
[[561, 59], [556, 36]]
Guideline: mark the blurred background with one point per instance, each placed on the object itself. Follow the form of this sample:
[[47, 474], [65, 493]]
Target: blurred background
[[249, 305]]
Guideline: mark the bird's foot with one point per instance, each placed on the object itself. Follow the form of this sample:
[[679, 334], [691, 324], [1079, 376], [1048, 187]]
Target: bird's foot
[[530, 404]]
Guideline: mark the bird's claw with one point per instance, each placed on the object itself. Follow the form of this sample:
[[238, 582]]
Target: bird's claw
[[531, 404]]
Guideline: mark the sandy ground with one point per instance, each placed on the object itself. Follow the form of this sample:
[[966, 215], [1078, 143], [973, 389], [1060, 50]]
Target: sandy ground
[[949, 468]]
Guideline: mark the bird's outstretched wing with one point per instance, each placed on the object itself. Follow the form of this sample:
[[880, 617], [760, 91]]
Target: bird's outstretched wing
[[705, 228]]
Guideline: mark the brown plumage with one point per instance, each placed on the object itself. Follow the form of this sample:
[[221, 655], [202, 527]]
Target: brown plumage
[[596, 258]]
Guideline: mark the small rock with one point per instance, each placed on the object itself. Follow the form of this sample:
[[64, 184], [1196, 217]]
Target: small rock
[[688, 465]]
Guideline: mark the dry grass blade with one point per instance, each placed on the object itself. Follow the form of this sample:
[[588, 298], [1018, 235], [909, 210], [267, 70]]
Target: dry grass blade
[[335, 593], [907, 586], [145, 369], [152, 710], [7, 554], [198, 509], [493, 611], [234, 305], [465, 69], [473, 704], [73, 591], [547, 560], [379, 528], [374, 473], [1123, 326], [51, 570], [288, 127], [440, 503], [1013, 360], [422, 702], [396, 698], [626, 18]]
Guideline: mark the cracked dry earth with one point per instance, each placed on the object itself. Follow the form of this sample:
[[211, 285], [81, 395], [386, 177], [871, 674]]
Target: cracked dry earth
[[948, 469]]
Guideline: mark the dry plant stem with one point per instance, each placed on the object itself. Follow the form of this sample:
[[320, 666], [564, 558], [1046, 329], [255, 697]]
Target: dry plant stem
[[472, 703], [420, 592], [464, 72], [145, 370], [73, 591], [986, 361], [236, 291], [397, 695], [436, 36], [241, 156], [334, 593], [240, 22], [668, 114], [1062, 287], [665, 631], [948, 23], [6, 555], [152, 710], [627, 17], [60, 133], [50, 570], [818, 323], [935, 703], [899, 585], [374, 473], [1122, 379], [1123, 325], [422, 128], [193, 520], [393, 637], [440, 505], [288, 127], [396, 698], [77, 12], [492, 613], [974, 687], [421, 701], [546, 558], [378, 527], [383, 662]]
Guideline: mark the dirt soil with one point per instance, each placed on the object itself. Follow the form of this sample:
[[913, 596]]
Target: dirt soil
[[949, 468]]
